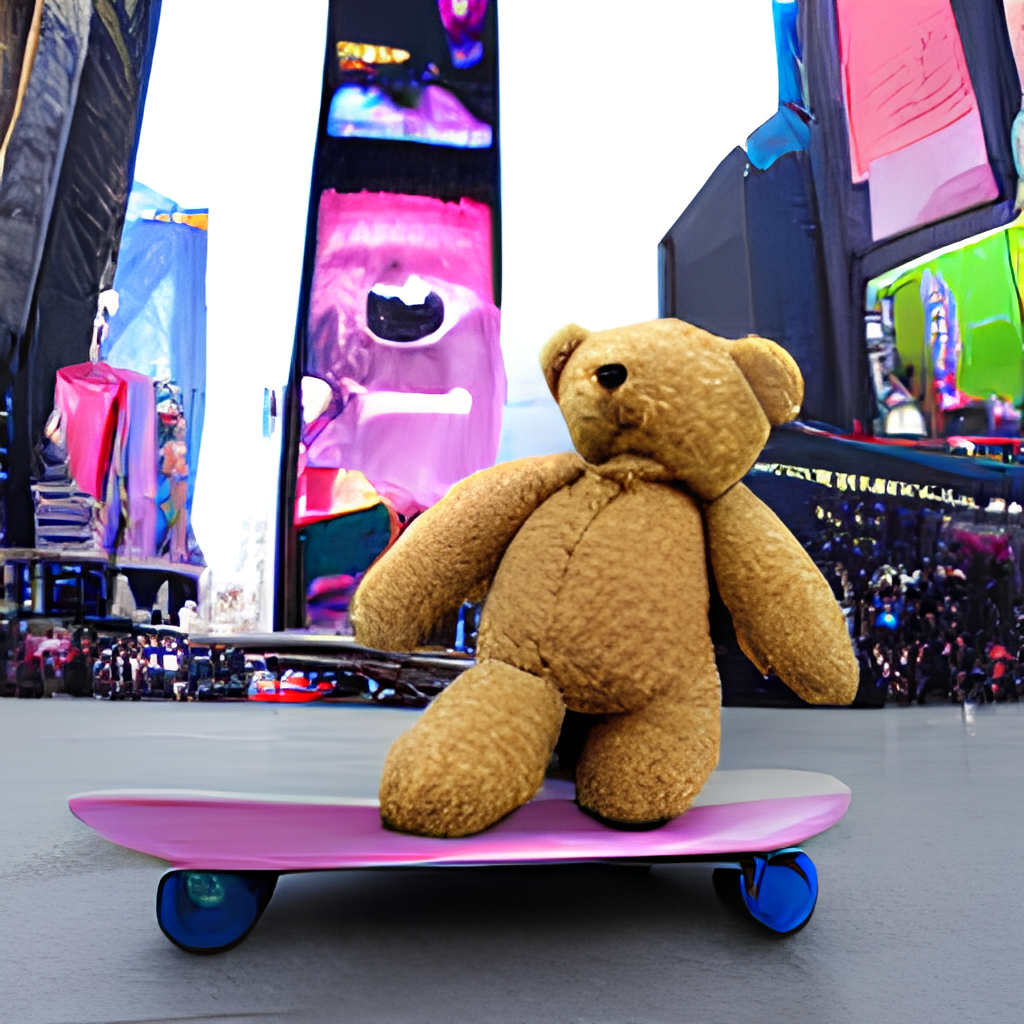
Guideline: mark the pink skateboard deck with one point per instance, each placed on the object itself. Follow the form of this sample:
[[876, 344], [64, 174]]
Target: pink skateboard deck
[[742, 811]]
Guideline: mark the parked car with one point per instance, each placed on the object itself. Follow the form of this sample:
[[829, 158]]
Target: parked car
[[292, 688]]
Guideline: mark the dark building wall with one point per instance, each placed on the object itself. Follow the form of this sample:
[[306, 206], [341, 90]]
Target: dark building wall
[[705, 266], [15, 22], [93, 168]]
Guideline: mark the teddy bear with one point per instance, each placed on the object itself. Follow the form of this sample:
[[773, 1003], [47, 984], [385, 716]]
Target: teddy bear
[[594, 570]]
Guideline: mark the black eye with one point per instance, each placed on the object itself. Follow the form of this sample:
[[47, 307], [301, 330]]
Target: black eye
[[611, 375], [391, 319]]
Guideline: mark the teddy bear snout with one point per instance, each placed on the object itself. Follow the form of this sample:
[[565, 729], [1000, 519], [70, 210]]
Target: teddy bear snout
[[611, 375]]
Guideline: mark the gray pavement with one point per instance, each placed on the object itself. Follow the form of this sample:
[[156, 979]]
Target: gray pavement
[[920, 918]]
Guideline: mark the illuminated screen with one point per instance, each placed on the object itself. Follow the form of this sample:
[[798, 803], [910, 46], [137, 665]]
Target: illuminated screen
[[944, 338], [915, 128], [438, 117], [404, 380]]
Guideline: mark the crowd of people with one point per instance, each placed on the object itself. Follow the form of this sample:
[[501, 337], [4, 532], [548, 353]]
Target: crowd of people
[[933, 604], [139, 664], [83, 662]]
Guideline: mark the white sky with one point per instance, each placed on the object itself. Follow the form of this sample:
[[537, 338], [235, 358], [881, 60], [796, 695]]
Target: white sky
[[612, 117]]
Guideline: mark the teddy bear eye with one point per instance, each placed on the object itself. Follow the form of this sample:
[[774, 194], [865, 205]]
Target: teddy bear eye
[[611, 375]]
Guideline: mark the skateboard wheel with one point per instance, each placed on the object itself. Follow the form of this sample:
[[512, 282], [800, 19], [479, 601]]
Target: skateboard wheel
[[778, 890], [210, 911]]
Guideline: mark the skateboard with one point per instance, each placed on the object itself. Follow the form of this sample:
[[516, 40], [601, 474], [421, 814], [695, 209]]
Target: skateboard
[[227, 850]]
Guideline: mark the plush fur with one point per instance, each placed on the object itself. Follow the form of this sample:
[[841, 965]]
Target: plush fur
[[594, 568]]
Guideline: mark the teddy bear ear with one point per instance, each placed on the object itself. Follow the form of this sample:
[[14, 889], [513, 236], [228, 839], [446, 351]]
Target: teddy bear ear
[[773, 376], [555, 354]]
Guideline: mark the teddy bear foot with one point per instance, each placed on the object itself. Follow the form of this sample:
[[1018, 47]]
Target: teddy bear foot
[[642, 768], [477, 753], [624, 826]]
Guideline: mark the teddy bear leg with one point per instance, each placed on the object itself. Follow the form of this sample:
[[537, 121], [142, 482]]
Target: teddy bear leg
[[478, 752], [644, 767]]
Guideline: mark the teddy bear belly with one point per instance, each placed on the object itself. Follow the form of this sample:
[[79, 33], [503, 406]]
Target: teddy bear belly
[[604, 591]]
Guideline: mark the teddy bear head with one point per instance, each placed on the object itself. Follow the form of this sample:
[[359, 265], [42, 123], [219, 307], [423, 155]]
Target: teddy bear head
[[699, 406]]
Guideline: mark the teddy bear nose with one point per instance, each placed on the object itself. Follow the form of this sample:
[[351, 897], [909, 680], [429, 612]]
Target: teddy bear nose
[[611, 375]]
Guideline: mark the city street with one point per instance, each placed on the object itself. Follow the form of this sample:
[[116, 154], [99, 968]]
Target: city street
[[920, 917]]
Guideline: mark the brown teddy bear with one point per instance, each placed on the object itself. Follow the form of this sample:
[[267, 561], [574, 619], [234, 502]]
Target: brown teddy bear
[[595, 567]]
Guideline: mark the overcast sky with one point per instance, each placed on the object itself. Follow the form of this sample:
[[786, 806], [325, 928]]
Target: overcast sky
[[612, 117]]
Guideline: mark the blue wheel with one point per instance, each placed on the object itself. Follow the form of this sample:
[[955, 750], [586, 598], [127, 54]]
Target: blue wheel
[[778, 890], [210, 911]]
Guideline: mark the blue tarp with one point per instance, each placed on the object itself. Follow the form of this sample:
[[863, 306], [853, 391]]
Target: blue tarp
[[160, 327]]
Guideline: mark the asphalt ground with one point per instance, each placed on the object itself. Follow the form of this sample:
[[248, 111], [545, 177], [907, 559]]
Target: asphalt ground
[[920, 915]]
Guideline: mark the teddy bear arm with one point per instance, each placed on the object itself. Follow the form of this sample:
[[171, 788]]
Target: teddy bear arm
[[787, 619], [450, 553]]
